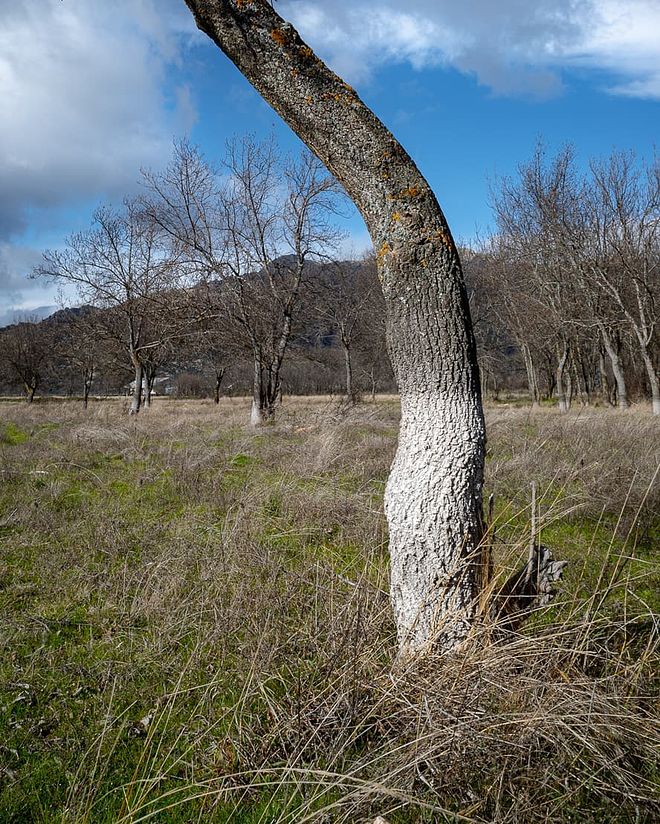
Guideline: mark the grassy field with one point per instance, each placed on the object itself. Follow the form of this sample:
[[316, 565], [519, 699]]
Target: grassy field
[[195, 626]]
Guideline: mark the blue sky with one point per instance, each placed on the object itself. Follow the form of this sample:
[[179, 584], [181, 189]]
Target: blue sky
[[90, 94]]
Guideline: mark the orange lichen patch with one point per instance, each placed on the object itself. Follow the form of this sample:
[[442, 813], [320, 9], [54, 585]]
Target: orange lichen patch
[[280, 37], [410, 192], [396, 216], [384, 250], [337, 97], [244, 4], [309, 99], [306, 52], [439, 236]]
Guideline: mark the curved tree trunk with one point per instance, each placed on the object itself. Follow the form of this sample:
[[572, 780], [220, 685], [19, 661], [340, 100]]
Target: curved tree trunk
[[433, 499]]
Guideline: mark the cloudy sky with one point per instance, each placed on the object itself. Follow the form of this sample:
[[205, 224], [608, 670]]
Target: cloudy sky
[[91, 92]]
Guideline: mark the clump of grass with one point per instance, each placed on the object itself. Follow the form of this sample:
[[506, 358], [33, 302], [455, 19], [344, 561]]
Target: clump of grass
[[10, 434], [196, 625]]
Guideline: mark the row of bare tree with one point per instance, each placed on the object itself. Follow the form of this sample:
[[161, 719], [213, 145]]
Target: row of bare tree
[[572, 277], [208, 267], [232, 270]]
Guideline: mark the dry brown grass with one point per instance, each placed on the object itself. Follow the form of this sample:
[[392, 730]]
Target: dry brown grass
[[230, 587]]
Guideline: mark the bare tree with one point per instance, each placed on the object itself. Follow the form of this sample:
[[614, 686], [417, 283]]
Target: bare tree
[[82, 347], [434, 493], [591, 245], [503, 284], [25, 348], [213, 346], [535, 215], [119, 266], [348, 303], [622, 254], [254, 233]]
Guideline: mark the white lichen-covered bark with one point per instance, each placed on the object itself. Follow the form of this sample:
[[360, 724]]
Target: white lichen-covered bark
[[433, 522]]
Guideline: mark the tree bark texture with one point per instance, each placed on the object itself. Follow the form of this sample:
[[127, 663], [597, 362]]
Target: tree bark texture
[[433, 499]]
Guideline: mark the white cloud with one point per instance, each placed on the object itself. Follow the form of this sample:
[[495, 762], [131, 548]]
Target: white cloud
[[81, 105], [512, 46], [17, 292], [625, 42], [82, 108]]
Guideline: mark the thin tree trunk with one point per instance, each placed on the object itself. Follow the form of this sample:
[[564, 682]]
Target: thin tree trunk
[[550, 381], [137, 389], [607, 389], [587, 373], [274, 388], [271, 392], [653, 380], [433, 499], [532, 382], [257, 412], [29, 392], [562, 401], [617, 370], [348, 370], [219, 375], [578, 383]]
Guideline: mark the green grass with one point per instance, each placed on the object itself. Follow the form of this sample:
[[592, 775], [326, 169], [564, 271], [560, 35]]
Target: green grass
[[232, 588], [11, 435]]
